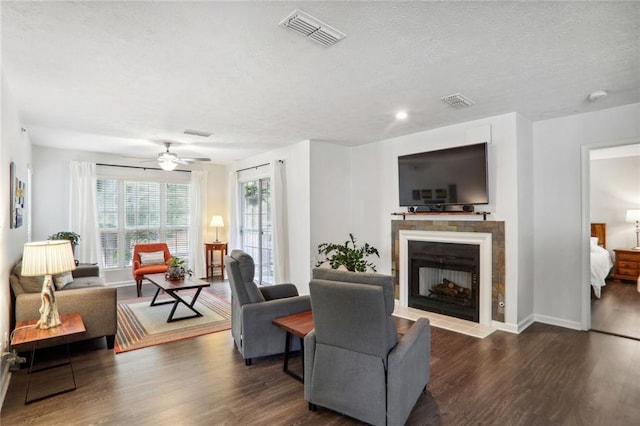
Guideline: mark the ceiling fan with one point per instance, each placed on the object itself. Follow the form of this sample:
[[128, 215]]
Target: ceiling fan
[[170, 160]]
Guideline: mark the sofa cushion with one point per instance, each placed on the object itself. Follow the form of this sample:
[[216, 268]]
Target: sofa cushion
[[28, 284], [85, 282]]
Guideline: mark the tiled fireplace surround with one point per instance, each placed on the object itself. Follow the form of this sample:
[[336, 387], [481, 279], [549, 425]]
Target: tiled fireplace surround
[[495, 228]]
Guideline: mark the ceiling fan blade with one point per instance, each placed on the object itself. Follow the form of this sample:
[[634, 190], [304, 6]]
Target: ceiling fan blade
[[196, 159]]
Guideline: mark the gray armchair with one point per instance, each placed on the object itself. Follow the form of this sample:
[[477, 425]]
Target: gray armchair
[[253, 308], [354, 363]]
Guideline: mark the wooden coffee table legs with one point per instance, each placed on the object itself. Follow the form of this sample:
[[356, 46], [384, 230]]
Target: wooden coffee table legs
[[176, 301]]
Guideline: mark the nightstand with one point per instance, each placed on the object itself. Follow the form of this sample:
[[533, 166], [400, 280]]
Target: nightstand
[[627, 264]]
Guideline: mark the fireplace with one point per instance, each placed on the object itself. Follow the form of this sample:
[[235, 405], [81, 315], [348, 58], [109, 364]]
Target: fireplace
[[444, 278]]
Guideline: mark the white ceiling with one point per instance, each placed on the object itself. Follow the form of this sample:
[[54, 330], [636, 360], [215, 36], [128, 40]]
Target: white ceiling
[[135, 73]]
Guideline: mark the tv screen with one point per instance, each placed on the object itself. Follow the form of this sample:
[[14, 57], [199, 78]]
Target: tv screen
[[444, 177]]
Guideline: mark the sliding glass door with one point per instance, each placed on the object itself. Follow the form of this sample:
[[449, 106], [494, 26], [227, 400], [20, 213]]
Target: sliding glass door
[[256, 226]]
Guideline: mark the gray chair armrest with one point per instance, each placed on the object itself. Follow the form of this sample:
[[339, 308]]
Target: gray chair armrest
[[278, 291], [408, 371], [257, 317], [85, 270], [309, 357]]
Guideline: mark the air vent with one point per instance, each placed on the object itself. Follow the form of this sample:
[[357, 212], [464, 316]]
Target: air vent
[[457, 100], [197, 133], [312, 27]]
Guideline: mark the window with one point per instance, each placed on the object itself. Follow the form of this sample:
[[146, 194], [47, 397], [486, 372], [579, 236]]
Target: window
[[255, 226], [134, 211]]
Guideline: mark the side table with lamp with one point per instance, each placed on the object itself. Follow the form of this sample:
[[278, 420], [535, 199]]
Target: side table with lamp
[[46, 258], [627, 261], [212, 261]]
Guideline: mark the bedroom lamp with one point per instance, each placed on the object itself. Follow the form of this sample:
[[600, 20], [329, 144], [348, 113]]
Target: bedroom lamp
[[634, 216], [47, 258], [217, 222]]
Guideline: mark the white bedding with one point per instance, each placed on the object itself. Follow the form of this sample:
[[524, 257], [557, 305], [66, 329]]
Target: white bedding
[[600, 266]]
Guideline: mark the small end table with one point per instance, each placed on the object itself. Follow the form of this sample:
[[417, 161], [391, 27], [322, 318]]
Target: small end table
[[298, 325], [27, 335], [209, 249]]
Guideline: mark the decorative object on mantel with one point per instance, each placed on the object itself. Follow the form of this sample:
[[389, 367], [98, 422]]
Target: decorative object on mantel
[[634, 216], [47, 258], [348, 255], [176, 270], [73, 238]]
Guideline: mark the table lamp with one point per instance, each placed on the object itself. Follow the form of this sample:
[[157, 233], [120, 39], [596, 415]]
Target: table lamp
[[634, 216], [47, 258], [217, 222]]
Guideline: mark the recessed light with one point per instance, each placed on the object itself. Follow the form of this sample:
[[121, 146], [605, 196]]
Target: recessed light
[[402, 115]]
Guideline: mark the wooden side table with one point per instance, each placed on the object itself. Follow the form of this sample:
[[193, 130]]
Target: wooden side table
[[298, 325], [27, 335], [211, 262], [627, 264]]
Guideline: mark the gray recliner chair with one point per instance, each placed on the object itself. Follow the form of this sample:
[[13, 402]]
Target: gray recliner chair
[[253, 308], [354, 363]]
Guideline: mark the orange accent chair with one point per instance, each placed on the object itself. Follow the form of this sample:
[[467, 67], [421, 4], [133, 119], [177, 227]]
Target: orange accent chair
[[139, 269]]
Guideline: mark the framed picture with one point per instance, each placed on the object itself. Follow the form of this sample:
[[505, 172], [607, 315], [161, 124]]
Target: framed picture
[[17, 195]]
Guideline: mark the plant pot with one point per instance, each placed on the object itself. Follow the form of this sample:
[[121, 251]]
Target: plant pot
[[175, 273]]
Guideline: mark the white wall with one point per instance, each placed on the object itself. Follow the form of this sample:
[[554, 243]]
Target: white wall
[[14, 147], [615, 188], [375, 190], [51, 192], [525, 222], [298, 199], [330, 184], [558, 217]]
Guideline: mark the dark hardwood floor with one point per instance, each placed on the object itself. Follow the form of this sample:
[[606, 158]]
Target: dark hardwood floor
[[618, 309], [545, 376]]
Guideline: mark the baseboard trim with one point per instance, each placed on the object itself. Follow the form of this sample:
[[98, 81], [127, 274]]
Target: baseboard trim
[[525, 323], [574, 325], [503, 326]]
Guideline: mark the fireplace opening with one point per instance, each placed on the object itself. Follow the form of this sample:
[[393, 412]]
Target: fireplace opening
[[444, 278]]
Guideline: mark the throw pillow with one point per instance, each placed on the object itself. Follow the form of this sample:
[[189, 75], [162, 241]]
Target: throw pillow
[[152, 258], [61, 280]]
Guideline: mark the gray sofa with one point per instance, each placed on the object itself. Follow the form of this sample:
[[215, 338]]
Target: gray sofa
[[353, 361], [253, 308], [87, 294]]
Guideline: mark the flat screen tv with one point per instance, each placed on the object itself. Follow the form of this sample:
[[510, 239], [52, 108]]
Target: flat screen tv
[[453, 176]]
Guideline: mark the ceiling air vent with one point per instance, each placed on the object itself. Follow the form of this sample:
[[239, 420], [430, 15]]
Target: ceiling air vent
[[312, 27], [457, 100]]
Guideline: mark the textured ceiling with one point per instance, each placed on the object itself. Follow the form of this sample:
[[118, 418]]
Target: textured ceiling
[[139, 72]]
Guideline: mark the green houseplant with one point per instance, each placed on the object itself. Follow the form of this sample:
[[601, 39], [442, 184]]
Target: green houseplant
[[349, 254], [176, 269], [66, 235]]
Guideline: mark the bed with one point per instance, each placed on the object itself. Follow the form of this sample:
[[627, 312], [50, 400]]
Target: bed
[[601, 263]]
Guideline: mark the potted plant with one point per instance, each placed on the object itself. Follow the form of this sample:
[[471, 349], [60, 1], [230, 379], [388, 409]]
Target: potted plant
[[67, 235], [349, 255], [176, 270]]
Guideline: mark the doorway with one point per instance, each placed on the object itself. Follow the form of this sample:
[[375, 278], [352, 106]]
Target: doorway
[[614, 187], [256, 236]]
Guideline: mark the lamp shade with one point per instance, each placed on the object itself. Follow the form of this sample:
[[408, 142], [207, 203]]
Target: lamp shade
[[633, 215], [216, 221], [47, 258]]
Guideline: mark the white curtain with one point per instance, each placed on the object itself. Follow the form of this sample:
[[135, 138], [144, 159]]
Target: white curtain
[[198, 228], [279, 218], [234, 213], [83, 212]]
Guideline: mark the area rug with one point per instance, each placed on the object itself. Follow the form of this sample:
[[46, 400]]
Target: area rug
[[141, 325]]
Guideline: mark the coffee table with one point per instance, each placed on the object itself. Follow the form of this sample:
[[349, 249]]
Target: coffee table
[[172, 288], [27, 334], [298, 325]]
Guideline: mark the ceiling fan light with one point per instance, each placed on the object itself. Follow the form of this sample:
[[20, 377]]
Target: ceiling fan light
[[167, 165]]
